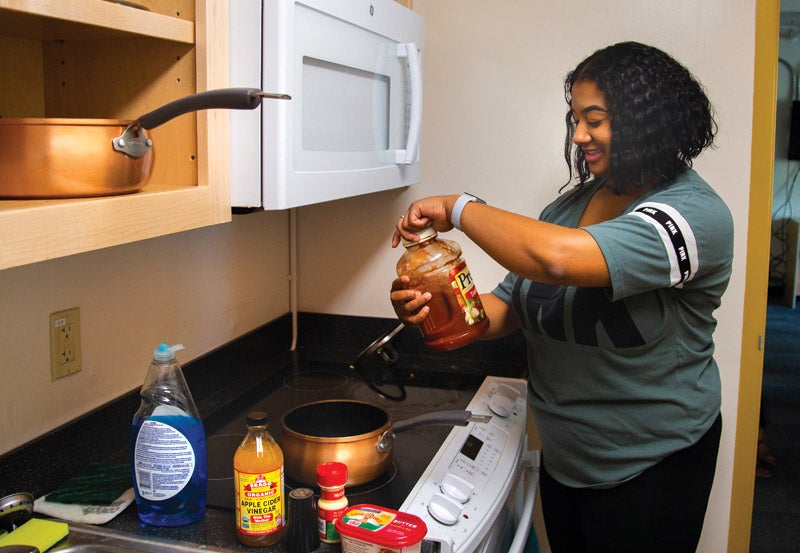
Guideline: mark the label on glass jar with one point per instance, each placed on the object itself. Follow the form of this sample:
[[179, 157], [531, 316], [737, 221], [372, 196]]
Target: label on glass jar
[[259, 502], [466, 294]]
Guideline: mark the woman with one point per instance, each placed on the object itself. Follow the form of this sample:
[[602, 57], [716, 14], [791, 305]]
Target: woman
[[614, 287]]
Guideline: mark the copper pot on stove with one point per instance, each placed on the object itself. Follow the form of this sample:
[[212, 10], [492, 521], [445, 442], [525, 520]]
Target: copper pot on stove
[[356, 433]]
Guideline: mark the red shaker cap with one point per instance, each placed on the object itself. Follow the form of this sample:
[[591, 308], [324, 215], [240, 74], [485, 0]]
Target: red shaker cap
[[332, 474]]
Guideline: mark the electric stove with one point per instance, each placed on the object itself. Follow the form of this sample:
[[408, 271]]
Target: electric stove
[[402, 393]]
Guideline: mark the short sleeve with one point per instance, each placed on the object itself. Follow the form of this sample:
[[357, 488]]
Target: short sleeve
[[504, 288], [675, 238]]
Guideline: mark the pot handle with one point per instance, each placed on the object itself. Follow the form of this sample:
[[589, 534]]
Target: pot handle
[[450, 418], [223, 98], [134, 143]]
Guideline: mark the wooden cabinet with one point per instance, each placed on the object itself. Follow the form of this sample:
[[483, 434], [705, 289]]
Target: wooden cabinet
[[109, 59]]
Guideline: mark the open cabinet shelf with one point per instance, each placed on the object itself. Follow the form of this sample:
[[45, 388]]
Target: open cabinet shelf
[[89, 20], [99, 59]]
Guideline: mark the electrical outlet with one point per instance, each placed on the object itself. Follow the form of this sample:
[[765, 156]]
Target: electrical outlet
[[65, 343]]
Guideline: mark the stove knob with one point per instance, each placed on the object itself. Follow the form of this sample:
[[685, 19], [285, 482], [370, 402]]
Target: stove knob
[[456, 487], [502, 401], [444, 509]]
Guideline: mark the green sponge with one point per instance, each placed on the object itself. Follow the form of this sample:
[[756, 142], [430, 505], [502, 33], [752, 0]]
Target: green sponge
[[98, 484]]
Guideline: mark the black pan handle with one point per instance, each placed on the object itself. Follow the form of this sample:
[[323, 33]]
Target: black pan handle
[[135, 143], [223, 98]]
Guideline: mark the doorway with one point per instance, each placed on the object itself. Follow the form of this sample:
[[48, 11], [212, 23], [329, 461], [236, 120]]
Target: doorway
[[756, 274], [777, 486]]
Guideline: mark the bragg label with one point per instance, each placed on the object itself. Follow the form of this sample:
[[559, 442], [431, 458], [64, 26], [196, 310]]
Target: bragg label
[[259, 502]]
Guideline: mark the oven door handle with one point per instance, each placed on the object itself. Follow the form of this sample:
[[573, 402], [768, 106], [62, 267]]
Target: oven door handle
[[531, 465]]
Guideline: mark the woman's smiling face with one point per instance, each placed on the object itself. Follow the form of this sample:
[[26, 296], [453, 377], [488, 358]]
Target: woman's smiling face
[[592, 127]]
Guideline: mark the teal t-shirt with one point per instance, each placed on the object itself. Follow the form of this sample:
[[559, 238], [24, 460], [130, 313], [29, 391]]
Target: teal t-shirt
[[622, 377]]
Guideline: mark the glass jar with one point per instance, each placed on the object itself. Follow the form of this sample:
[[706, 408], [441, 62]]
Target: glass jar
[[456, 315], [259, 485], [331, 478]]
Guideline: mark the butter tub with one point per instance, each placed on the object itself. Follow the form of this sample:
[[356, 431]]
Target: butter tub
[[372, 529]]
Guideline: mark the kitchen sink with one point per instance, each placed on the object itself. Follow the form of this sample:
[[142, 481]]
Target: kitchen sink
[[91, 539]]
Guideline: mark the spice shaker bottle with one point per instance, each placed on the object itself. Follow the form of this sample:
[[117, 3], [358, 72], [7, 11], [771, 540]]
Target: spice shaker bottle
[[331, 477], [456, 315], [302, 535]]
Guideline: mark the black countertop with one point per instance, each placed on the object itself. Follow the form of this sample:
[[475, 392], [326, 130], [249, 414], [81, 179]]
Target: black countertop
[[223, 382]]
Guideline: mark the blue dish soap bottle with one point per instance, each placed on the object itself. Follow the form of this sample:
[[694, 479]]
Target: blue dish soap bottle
[[168, 446]]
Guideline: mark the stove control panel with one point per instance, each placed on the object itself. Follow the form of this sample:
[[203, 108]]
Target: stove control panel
[[463, 493]]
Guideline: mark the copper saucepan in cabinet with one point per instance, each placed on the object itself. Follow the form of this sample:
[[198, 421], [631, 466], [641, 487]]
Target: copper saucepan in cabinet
[[356, 433], [73, 158]]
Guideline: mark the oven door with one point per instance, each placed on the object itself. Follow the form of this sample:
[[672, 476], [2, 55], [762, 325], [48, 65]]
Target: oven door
[[353, 70], [512, 530]]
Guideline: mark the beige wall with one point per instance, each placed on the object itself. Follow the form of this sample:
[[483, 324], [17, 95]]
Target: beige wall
[[201, 288], [493, 125]]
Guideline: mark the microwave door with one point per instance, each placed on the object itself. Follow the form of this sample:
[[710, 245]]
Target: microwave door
[[353, 124], [245, 135]]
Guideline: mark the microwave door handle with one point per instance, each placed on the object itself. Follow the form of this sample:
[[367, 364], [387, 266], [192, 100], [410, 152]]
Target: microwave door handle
[[411, 152]]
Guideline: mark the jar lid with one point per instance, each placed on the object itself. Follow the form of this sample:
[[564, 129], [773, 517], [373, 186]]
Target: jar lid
[[332, 474], [301, 494], [257, 418], [381, 526], [425, 234]]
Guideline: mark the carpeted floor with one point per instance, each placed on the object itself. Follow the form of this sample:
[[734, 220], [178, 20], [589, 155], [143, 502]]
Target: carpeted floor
[[776, 508]]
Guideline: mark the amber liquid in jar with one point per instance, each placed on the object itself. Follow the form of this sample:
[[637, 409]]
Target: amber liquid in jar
[[259, 486], [456, 315]]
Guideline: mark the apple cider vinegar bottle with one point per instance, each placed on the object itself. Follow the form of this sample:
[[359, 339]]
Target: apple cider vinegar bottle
[[259, 486]]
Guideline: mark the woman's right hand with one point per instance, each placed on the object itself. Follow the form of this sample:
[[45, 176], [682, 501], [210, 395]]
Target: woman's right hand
[[410, 305]]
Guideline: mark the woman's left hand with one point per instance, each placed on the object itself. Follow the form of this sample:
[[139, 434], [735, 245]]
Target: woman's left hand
[[433, 211], [410, 306]]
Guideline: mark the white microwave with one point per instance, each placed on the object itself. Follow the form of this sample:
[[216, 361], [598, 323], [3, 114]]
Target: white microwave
[[353, 71]]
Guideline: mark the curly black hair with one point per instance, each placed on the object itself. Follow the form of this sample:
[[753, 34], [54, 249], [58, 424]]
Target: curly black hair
[[661, 119]]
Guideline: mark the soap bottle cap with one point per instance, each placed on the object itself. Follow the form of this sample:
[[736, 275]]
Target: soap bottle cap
[[165, 352]]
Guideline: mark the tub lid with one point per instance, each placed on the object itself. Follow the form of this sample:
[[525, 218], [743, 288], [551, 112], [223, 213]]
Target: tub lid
[[381, 526]]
